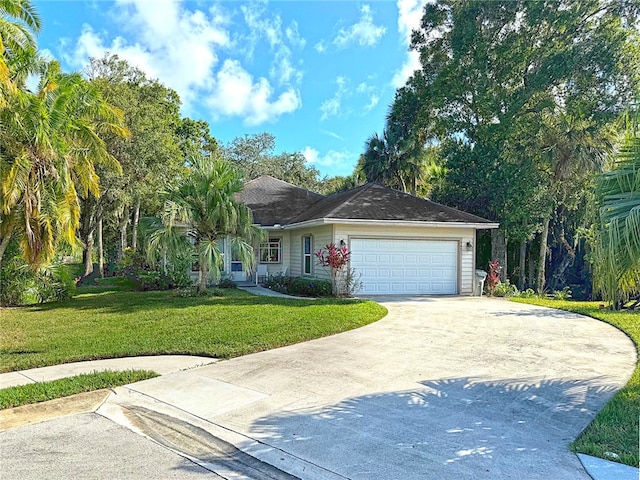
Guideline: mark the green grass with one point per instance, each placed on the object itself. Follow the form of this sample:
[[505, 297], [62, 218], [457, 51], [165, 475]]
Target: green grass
[[43, 391], [108, 324], [615, 428]]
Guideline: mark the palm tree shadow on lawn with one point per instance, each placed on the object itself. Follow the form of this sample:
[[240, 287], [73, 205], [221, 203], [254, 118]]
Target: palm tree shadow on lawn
[[451, 428], [132, 302]]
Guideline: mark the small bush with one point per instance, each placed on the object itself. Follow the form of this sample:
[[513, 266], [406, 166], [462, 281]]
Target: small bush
[[505, 289], [299, 286], [21, 285], [528, 293], [135, 267], [564, 294], [227, 283]]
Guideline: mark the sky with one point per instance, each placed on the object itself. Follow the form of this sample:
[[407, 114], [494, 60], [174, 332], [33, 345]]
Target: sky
[[318, 75]]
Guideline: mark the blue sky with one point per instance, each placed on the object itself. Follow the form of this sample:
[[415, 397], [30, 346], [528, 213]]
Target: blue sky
[[320, 76]]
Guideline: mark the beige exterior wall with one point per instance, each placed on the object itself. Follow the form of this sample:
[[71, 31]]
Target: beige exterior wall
[[466, 256], [320, 236]]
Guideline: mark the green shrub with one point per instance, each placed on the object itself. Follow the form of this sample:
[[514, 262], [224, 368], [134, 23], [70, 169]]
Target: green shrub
[[299, 286], [564, 294], [135, 267], [505, 289], [227, 283], [528, 293], [21, 285]]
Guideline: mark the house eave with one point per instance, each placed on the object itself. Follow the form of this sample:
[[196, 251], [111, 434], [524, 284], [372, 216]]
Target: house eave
[[389, 223]]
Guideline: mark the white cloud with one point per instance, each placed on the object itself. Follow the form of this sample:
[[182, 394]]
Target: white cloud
[[235, 93], [332, 134], [181, 47], [293, 35], [319, 47], [269, 27], [409, 17], [373, 101], [365, 33], [333, 106], [341, 161]]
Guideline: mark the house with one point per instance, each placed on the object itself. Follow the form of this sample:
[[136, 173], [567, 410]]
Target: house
[[399, 243]]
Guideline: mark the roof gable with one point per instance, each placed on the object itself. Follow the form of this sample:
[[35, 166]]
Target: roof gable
[[274, 201]]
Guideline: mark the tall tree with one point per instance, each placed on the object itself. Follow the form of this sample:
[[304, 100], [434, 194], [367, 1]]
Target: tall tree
[[491, 69], [150, 158], [254, 156]]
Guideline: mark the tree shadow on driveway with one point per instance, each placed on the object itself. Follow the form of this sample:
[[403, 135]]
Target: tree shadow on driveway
[[455, 428]]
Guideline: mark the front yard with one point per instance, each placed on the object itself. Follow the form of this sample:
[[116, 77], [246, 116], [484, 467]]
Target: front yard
[[614, 431], [108, 324]]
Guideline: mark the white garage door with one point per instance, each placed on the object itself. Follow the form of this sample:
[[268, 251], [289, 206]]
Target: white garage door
[[393, 266]]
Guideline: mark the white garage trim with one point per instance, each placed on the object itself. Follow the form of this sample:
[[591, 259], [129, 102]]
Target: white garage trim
[[406, 265]]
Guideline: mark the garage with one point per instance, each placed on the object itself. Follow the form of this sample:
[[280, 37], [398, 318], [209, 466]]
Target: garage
[[405, 266]]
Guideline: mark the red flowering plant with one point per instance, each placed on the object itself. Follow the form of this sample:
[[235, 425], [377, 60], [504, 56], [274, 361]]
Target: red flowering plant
[[336, 258], [493, 276]]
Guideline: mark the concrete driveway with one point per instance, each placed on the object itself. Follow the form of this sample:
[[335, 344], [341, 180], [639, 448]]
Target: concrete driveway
[[442, 388]]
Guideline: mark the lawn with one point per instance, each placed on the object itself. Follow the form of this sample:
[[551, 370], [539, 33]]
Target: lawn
[[107, 324], [43, 391], [615, 428]]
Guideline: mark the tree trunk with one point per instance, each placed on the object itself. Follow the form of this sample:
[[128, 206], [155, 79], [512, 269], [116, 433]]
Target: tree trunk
[[523, 258], [499, 251], [134, 228], [202, 277], [532, 268], [559, 279], [542, 260], [87, 229], [3, 244], [100, 250], [87, 253], [123, 233]]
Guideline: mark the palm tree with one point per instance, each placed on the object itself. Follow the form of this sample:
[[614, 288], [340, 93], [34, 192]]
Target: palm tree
[[19, 23], [202, 208], [50, 143], [617, 245]]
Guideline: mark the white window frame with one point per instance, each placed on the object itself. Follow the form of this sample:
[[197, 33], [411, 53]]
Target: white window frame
[[306, 255], [274, 243]]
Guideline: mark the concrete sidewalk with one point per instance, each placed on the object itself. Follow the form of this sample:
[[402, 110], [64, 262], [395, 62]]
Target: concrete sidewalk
[[161, 364]]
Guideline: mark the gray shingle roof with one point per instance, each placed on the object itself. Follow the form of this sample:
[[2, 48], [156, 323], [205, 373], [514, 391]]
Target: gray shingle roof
[[274, 201], [376, 202]]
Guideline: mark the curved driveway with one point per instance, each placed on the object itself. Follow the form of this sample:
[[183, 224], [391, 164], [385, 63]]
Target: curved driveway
[[441, 388]]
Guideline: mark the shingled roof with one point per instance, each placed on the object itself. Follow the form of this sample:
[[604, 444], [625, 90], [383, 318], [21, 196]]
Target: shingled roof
[[274, 201], [376, 202]]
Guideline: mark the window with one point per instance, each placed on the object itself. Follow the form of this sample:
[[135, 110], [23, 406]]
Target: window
[[270, 251], [307, 249]]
